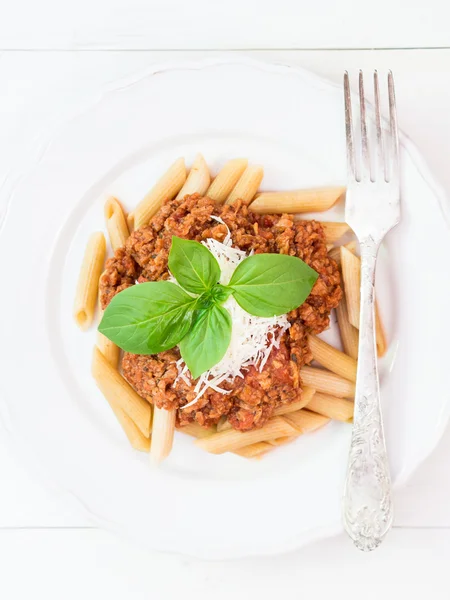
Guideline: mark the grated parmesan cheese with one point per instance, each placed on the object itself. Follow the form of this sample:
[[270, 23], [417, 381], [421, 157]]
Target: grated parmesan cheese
[[252, 338]]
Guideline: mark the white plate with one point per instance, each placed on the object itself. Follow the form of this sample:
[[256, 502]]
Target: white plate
[[208, 506]]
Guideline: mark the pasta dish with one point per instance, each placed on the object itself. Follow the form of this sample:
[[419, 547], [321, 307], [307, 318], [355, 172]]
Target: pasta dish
[[212, 303]]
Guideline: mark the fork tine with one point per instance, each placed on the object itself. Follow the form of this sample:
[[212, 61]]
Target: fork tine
[[365, 162], [349, 128], [394, 130], [381, 168]]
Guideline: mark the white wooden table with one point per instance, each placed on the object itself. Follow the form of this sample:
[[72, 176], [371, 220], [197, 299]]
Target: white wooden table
[[53, 55]]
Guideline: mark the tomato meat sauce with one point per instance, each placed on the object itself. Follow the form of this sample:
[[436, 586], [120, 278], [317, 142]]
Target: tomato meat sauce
[[250, 400]]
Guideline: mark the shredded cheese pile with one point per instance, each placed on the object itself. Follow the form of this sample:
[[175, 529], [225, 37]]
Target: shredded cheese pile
[[252, 338]]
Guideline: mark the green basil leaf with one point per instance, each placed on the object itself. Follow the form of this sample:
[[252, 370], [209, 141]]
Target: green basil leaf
[[148, 318], [267, 285], [193, 265], [206, 343]]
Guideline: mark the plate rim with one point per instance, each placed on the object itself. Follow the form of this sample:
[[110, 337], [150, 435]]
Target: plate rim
[[37, 147]]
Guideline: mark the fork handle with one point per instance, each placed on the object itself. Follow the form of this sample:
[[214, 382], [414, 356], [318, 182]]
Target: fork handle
[[367, 503]]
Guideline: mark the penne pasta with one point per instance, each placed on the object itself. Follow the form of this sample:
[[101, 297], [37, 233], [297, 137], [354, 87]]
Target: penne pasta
[[116, 223], [297, 201], [285, 409], [163, 430], [165, 189], [305, 421], [332, 407], [226, 179], [198, 179], [196, 430], [231, 440], [136, 438], [87, 288], [351, 273], [335, 251], [130, 222], [332, 359], [251, 451], [349, 334], [247, 186], [283, 440], [380, 333], [327, 382], [254, 450], [119, 393], [334, 231], [109, 350]]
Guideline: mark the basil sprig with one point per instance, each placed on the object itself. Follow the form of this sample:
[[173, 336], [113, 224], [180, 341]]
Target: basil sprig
[[153, 317]]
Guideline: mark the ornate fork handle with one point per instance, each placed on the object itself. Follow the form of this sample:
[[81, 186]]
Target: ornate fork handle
[[367, 496]]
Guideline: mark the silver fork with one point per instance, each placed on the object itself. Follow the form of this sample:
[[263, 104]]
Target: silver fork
[[372, 209]]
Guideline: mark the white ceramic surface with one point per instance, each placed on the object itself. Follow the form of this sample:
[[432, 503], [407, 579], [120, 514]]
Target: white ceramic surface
[[51, 406]]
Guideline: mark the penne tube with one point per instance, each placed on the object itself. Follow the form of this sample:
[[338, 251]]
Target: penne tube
[[332, 359], [136, 438], [282, 440], [297, 201], [285, 409], [163, 430], [349, 334], [109, 350], [351, 273], [165, 188], [247, 186], [332, 407], [254, 450], [116, 223], [231, 440], [305, 421], [196, 430], [334, 231], [327, 382], [380, 333], [198, 179], [251, 451], [226, 179], [119, 393], [130, 222], [87, 287], [335, 251]]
